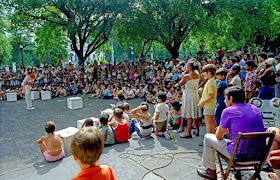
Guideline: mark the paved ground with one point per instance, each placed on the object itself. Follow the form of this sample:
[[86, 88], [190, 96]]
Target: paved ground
[[154, 158]]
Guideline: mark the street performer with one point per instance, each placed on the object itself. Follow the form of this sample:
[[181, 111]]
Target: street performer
[[26, 87]]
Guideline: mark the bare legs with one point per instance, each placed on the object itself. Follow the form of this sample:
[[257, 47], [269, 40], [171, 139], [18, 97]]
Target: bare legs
[[210, 123]]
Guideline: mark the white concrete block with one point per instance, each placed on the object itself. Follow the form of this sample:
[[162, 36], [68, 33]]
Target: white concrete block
[[81, 122], [75, 103], [45, 95], [108, 111], [35, 95], [66, 135], [11, 96]]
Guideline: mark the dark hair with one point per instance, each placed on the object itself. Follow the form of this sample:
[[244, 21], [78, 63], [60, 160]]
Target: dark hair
[[121, 97], [250, 63], [162, 96], [209, 68], [248, 56], [222, 72], [263, 55], [237, 58], [49, 127], [29, 70], [271, 55], [146, 104], [233, 60], [236, 68], [104, 119], [176, 105], [237, 94], [120, 106], [152, 92], [88, 122], [193, 65]]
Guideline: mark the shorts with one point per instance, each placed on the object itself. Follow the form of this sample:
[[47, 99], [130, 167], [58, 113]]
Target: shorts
[[208, 112], [161, 126], [51, 158]]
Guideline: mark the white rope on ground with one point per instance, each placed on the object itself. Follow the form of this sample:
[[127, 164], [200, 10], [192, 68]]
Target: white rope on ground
[[171, 157]]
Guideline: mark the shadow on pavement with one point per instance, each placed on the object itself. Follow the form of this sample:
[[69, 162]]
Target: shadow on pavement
[[44, 167]]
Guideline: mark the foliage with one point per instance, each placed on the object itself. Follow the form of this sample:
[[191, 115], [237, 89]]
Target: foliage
[[81, 19], [51, 42]]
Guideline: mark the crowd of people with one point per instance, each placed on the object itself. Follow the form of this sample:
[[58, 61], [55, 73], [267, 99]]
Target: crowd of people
[[216, 89]]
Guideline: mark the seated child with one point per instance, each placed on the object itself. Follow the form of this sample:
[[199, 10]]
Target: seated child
[[160, 117], [126, 111], [143, 125], [175, 115], [120, 126], [87, 147], [50, 145], [150, 97], [108, 133], [87, 123]]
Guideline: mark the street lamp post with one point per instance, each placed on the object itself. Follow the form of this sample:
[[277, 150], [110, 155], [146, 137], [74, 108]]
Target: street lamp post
[[21, 49], [132, 53]]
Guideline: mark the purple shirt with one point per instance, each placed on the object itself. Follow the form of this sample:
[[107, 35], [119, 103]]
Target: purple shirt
[[243, 118]]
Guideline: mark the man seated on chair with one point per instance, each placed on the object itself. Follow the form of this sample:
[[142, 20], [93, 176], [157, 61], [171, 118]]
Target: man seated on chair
[[237, 117]]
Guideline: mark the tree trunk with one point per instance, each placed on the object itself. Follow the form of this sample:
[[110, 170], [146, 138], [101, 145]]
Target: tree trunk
[[174, 50]]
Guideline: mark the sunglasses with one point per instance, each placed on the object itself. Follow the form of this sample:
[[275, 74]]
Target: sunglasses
[[144, 109]]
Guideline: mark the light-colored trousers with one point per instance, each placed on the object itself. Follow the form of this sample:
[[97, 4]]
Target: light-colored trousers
[[211, 144], [27, 93]]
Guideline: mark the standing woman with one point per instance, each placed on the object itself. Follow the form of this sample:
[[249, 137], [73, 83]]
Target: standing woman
[[190, 110], [27, 85]]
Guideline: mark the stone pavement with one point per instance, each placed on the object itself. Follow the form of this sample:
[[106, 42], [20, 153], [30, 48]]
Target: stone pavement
[[153, 158]]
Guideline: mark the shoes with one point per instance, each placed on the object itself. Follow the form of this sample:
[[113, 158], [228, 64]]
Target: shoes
[[180, 130], [208, 174], [31, 108], [172, 135], [201, 144], [196, 133], [185, 136], [167, 136], [267, 168]]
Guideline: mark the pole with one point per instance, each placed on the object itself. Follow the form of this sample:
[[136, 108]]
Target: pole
[[22, 57]]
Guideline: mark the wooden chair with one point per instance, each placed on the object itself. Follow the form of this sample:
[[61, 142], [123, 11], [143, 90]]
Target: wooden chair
[[252, 153]]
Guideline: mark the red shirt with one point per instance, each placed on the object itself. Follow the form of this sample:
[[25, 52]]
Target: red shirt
[[101, 172], [121, 132]]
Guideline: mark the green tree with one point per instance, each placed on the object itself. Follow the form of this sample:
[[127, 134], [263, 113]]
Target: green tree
[[51, 42], [81, 19], [5, 47], [168, 22]]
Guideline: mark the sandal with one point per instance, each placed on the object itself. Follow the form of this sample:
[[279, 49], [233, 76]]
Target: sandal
[[185, 136], [180, 130]]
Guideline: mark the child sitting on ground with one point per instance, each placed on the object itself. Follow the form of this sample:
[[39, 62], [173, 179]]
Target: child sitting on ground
[[50, 145], [120, 126], [126, 110], [109, 136], [87, 123], [175, 115], [160, 117], [87, 147]]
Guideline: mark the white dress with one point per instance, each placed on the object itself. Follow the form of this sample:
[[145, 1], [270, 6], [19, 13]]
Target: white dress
[[190, 107]]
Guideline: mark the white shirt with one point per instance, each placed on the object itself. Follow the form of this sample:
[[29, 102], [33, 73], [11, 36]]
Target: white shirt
[[162, 108], [236, 81]]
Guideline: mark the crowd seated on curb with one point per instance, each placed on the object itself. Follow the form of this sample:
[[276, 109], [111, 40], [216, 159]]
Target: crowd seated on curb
[[164, 84]]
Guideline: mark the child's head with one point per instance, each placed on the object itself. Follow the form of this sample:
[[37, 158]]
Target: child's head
[[176, 105], [50, 127], [235, 70], [126, 106], [161, 97], [145, 104], [104, 119], [118, 113], [250, 65], [209, 70], [221, 74], [88, 123], [87, 145]]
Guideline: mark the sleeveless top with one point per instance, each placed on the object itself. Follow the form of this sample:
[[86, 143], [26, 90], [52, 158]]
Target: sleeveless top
[[146, 128], [121, 132]]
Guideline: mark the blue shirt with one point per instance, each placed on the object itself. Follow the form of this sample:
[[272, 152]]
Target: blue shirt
[[175, 76], [222, 85]]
